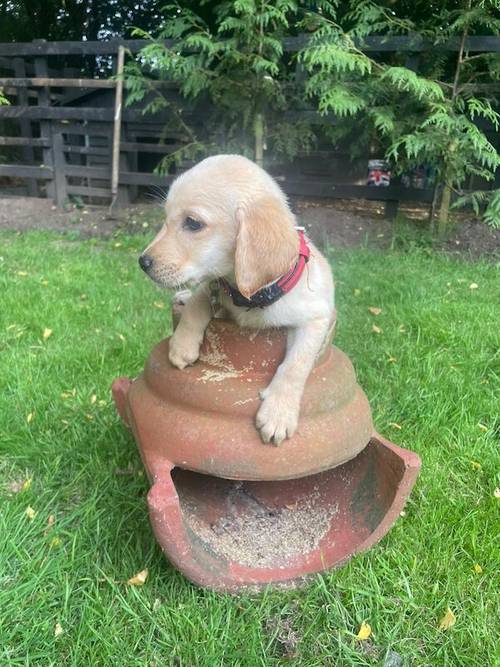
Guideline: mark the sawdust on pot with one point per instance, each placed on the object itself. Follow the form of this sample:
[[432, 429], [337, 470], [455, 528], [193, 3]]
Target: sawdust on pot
[[255, 535], [213, 355]]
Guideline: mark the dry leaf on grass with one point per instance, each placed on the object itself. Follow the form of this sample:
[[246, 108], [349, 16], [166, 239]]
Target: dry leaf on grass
[[374, 311], [27, 484], [478, 569], [55, 542], [475, 465], [376, 329], [394, 425], [448, 620], [58, 630], [50, 522], [29, 418], [482, 427], [30, 513], [496, 492], [139, 579], [364, 631], [473, 286], [47, 333], [93, 399]]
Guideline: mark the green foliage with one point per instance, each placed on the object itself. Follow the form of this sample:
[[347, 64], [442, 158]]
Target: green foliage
[[3, 99], [429, 118], [234, 67], [25, 20]]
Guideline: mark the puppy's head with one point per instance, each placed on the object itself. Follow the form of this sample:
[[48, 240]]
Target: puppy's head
[[224, 217]]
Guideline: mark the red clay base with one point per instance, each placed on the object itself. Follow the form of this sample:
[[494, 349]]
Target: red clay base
[[233, 536], [234, 514]]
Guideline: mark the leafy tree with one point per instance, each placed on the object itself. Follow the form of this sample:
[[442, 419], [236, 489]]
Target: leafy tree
[[429, 118], [25, 20], [231, 61], [235, 67]]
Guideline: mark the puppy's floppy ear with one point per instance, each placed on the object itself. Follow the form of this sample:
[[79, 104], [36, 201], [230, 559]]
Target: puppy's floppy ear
[[266, 244]]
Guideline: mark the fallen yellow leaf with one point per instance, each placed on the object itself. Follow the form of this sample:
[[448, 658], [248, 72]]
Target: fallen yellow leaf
[[30, 513], [401, 328], [93, 399], [376, 329], [475, 465], [139, 579], [55, 542], [478, 569], [121, 337], [47, 333], [448, 620], [26, 484], [482, 427], [364, 631], [394, 425], [159, 305], [375, 311], [473, 286], [496, 492], [29, 417], [51, 520], [58, 630], [23, 274]]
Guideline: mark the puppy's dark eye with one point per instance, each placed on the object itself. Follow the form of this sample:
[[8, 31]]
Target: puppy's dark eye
[[193, 225]]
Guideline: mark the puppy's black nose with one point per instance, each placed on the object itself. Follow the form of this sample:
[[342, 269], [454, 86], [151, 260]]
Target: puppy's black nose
[[145, 262]]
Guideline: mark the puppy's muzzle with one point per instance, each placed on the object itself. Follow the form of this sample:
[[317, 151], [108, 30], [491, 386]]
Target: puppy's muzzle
[[146, 263]]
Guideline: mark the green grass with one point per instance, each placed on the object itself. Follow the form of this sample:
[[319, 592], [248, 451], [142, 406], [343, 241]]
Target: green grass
[[440, 388]]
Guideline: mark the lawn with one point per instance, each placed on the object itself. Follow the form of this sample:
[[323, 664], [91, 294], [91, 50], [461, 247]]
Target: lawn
[[75, 314]]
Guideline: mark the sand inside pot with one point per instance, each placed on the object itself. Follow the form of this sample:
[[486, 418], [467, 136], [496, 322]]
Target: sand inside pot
[[254, 535]]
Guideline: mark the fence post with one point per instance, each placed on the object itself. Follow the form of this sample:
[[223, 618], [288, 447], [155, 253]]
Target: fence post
[[25, 124], [41, 69], [61, 193]]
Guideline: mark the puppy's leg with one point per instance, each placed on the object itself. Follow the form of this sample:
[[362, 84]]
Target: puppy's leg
[[278, 415], [184, 346]]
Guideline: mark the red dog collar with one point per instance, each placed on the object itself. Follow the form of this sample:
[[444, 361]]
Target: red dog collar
[[275, 290]]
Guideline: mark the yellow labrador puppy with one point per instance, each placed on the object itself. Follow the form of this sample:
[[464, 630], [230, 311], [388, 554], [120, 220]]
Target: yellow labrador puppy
[[228, 221]]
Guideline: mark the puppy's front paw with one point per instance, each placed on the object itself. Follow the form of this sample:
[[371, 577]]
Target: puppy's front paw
[[183, 352], [277, 417]]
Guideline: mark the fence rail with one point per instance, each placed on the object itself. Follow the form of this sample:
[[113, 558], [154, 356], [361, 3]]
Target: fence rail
[[61, 125], [415, 43]]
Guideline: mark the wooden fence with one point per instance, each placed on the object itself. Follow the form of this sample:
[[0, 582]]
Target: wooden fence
[[60, 127]]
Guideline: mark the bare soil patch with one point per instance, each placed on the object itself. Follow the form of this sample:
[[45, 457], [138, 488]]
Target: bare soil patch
[[342, 224]]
